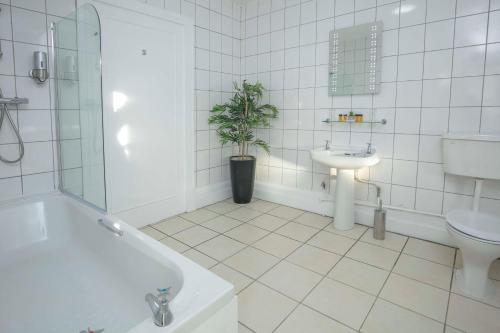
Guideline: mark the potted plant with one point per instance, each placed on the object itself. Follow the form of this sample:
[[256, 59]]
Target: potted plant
[[236, 121]]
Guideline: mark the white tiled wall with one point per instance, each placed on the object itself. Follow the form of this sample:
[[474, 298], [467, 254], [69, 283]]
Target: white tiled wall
[[23, 29], [440, 72]]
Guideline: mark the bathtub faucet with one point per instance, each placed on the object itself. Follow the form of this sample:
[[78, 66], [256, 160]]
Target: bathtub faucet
[[159, 305]]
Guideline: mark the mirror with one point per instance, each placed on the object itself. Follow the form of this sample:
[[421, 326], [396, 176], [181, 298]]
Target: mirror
[[355, 60]]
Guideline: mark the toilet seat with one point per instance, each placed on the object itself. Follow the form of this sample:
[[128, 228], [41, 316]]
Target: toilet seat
[[475, 224]]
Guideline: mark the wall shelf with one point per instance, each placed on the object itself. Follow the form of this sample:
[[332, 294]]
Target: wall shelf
[[381, 122]]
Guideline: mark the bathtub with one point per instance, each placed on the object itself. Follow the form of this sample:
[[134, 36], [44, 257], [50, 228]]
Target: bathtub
[[62, 271]]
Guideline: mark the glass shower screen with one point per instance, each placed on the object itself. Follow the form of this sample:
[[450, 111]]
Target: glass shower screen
[[79, 124]]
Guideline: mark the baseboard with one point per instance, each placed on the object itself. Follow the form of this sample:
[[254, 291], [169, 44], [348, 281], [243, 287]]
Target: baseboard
[[210, 194], [411, 223]]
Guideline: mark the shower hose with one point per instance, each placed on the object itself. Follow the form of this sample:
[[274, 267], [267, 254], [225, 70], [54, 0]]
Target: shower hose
[[4, 112]]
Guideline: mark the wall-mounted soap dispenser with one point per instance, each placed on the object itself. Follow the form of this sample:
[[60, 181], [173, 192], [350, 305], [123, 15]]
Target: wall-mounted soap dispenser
[[39, 72]]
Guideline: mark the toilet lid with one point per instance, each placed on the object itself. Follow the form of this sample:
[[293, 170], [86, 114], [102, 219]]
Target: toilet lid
[[476, 224]]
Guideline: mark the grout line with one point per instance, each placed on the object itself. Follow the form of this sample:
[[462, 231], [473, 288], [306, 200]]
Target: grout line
[[420, 117], [449, 293], [484, 64]]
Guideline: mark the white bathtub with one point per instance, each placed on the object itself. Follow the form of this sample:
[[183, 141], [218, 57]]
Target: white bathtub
[[60, 271]]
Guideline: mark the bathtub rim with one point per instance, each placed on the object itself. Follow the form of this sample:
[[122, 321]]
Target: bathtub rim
[[202, 292]]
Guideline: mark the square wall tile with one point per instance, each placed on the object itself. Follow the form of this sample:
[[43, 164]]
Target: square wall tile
[[439, 35], [404, 173], [471, 30], [468, 61]]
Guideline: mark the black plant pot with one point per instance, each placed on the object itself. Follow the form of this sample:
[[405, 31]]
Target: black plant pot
[[242, 178]]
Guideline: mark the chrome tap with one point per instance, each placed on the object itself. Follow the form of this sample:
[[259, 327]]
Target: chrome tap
[[369, 148], [159, 305], [327, 145]]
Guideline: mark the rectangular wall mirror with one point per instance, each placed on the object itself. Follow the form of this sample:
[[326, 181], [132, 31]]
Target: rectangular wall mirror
[[355, 60]]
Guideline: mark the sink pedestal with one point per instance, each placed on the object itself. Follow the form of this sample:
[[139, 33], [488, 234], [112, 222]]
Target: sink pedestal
[[344, 200]]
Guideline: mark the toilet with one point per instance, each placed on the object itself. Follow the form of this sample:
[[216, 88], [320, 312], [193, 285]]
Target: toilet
[[475, 233]]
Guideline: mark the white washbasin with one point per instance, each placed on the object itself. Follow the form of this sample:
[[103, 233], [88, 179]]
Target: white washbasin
[[345, 157]]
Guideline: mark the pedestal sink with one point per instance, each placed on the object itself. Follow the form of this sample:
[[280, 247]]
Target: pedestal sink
[[346, 159]]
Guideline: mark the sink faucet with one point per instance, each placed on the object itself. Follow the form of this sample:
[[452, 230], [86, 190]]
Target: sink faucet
[[369, 148], [159, 305], [327, 145]]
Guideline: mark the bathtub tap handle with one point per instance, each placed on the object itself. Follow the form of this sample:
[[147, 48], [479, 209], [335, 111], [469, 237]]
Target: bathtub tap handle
[[162, 316]]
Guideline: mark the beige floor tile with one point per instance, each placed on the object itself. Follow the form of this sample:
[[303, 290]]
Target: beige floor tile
[[153, 233], [243, 329], [362, 276], [251, 262], [277, 245], [221, 223], [416, 296], [450, 329], [291, 280], [343, 303], [200, 258], [262, 205], [286, 212], [174, 244], [247, 233], [386, 317], [471, 316], [220, 247], [304, 320], [199, 216], [297, 231], [392, 241], [244, 214], [313, 220], [238, 280], [262, 309], [195, 235], [424, 271], [354, 233], [331, 242], [222, 207], [268, 222], [173, 225], [431, 251], [373, 255], [317, 260]]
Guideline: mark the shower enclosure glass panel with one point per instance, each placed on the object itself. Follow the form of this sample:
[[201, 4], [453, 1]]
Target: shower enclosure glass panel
[[77, 59]]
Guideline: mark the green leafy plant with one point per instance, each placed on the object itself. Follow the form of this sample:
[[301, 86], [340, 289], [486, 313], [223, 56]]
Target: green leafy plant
[[237, 118]]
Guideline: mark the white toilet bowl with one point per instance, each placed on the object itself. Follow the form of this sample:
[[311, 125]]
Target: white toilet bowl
[[477, 235]]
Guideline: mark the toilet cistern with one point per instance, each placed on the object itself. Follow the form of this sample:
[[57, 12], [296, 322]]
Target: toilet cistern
[[346, 159]]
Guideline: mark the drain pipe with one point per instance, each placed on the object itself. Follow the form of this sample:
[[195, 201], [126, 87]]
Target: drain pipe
[[379, 213]]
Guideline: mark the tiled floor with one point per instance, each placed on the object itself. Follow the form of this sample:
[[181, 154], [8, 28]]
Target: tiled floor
[[295, 273]]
